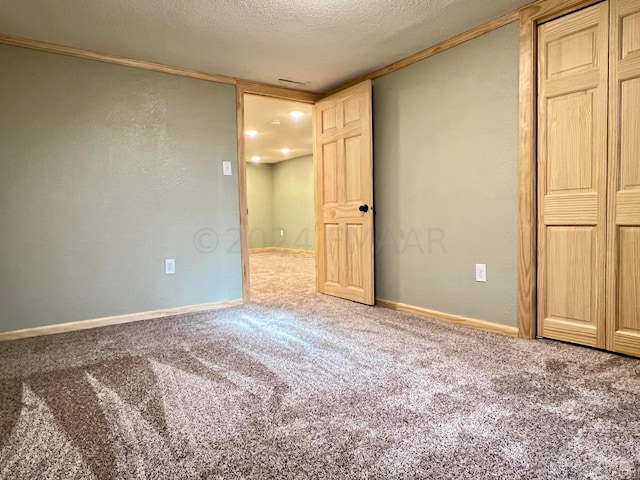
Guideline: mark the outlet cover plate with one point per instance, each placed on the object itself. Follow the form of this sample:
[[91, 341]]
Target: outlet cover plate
[[481, 272], [170, 266]]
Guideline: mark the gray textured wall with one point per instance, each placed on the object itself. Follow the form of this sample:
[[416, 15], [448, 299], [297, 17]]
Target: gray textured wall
[[446, 179], [260, 204], [105, 171], [293, 201]]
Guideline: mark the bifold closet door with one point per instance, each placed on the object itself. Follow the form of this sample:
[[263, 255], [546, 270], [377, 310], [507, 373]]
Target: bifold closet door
[[623, 276], [572, 176]]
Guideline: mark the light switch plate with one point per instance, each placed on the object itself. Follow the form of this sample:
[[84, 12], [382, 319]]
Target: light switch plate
[[481, 272], [226, 168]]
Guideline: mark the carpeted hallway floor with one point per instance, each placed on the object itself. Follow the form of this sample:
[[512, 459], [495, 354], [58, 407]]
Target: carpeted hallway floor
[[300, 385]]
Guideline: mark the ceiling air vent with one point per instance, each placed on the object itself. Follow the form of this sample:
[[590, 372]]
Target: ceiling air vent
[[294, 82]]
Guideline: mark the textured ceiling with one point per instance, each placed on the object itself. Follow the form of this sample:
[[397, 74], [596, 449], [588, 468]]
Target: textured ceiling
[[324, 42], [294, 134]]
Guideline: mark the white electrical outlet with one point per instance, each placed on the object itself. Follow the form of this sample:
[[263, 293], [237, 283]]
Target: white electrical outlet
[[481, 272], [170, 266], [226, 168], [282, 233]]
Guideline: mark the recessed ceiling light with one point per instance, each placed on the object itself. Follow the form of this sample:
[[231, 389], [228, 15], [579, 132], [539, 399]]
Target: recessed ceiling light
[[275, 122], [251, 133], [296, 114], [255, 158], [286, 151]]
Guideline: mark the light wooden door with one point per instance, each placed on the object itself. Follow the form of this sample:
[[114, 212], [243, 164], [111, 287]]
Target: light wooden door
[[623, 277], [572, 176], [344, 194]]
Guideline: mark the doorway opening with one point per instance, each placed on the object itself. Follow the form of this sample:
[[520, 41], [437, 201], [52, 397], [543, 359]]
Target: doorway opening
[[279, 175]]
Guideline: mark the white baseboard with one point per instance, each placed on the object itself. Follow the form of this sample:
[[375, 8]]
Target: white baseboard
[[115, 320]]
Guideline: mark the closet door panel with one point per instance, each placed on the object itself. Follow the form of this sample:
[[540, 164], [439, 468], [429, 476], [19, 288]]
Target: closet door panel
[[572, 163], [623, 274]]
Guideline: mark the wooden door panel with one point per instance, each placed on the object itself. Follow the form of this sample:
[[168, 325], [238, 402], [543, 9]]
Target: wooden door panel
[[329, 120], [630, 35], [630, 134], [344, 176], [354, 171], [571, 209], [623, 216], [568, 331], [570, 267], [352, 111], [571, 54], [627, 209], [330, 172], [629, 279], [354, 256], [572, 166], [332, 253], [570, 124]]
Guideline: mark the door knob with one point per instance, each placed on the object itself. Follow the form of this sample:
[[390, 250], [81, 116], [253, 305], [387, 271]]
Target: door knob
[[364, 208]]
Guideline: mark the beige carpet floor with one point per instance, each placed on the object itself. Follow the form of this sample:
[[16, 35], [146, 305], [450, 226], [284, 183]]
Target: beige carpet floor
[[301, 385]]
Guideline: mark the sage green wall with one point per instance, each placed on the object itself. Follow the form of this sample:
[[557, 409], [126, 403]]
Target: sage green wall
[[105, 171], [293, 203], [260, 204], [446, 179], [280, 197]]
